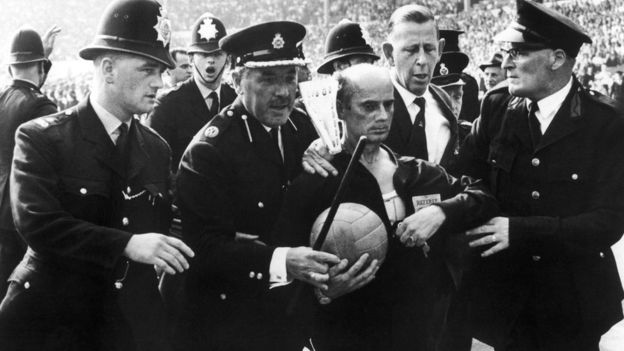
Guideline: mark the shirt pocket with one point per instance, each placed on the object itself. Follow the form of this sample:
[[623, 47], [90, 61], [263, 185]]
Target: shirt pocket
[[87, 199]]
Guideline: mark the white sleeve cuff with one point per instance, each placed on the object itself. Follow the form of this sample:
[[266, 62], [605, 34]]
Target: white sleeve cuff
[[277, 270]]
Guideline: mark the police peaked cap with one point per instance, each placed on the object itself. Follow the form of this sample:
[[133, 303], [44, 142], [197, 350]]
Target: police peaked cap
[[206, 33], [449, 69], [138, 27], [345, 39], [538, 24], [26, 47], [267, 44], [451, 39]]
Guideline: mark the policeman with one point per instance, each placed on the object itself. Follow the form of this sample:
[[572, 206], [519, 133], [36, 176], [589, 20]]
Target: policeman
[[447, 75], [182, 70], [181, 112], [90, 193], [493, 72], [347, 44], [230, 185], [20, 102], [552, 154]]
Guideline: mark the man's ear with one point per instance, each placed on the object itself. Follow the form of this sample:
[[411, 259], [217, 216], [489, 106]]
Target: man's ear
[[107, 68], [558, 58], [236, 79], [388, 50], [441, 43]]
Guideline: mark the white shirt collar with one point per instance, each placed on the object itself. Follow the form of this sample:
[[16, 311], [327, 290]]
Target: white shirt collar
[[110, 122], [205, 91], [550, 105], [407, 96]]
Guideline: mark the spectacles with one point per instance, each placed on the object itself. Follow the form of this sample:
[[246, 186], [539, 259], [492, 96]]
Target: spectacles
[[514, 52]]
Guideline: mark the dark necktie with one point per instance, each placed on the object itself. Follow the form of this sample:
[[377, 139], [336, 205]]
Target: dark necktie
[[534, 124], [122, 139], [214, 106], [418, 138]]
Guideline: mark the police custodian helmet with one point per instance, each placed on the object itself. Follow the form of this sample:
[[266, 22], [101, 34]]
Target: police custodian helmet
[[26, 47], [345, 39], [206, 33], [138, 27]]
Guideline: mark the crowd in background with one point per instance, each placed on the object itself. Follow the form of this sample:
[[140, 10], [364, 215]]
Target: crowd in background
[[599, 66]]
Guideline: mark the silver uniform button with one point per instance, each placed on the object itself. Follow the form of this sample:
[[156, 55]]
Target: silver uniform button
[[535, 162], [536, 258], [125, 221], [223, 296], [252, 275], [83, 191], [260, 204], [259, 276], [602, 255], [230, 113], [27, 285], [574, 176], [535, 195]]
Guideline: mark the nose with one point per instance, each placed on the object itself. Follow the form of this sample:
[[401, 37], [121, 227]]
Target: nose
[[507, 62], [157, 82], [281, 90], [422, 58]]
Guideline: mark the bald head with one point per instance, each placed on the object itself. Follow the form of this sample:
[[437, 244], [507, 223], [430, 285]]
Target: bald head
[[365, 102]]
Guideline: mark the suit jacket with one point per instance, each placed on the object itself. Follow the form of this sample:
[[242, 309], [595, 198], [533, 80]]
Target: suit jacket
[[565, 202], [401, 129], [181, 112], [231, 179], [404, 307], [20, 102], [77, 205]]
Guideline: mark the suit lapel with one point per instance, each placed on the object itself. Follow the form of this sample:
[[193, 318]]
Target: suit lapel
[[517, 115], [93, 131], [402, 123]]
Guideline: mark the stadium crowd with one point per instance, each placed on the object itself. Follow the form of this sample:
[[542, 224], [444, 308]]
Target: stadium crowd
[[599, 66]]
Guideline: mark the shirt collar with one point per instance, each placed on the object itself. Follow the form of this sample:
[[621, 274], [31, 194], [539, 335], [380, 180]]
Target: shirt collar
[[110, 122], [551, 104], [205, 91], [407, 96]]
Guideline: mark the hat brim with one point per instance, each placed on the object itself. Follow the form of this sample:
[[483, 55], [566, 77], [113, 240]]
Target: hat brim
[[162, 56], [298, 62], [16, 61], [327, 66], [204, 49], [489, 64]]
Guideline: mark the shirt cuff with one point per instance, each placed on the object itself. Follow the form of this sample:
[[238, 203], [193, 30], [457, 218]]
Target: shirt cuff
[[277, 270]]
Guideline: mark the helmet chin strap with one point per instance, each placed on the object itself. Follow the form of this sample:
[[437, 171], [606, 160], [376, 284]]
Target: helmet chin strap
[[204, 80]]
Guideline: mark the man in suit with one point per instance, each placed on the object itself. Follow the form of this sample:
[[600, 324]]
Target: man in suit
[[424, 125], [90, 195], [552, 154], [493, 73], [180, 113], [230, 185], [20, 102]]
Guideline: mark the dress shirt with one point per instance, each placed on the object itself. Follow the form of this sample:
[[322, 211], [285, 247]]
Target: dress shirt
[[205, 91], [437, 127], [110, 122], [550, 105]]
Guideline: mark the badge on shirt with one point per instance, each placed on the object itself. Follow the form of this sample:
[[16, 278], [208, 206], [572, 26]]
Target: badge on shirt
[[425, 200]]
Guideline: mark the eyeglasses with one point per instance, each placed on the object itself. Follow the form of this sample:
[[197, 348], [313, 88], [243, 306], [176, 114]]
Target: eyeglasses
[[514, 52]]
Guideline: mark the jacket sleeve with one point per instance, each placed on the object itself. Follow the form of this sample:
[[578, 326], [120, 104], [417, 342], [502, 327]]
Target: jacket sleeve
[[206, 200], [38, 212]]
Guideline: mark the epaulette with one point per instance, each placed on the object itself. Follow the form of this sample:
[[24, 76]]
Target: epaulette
[[212, 132], [602, 99], [51, 120]]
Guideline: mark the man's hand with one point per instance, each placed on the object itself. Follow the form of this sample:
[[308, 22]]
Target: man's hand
[[310, 266], [48, 40], [166, 253], [498, 228], [343, 281], [416, 229], [316, 159]]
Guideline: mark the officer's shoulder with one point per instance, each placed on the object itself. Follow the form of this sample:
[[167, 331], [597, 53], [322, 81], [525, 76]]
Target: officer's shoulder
[[152, 133], [219, 125], [497, 93], [167, 94], [601, 100], [41, 124]]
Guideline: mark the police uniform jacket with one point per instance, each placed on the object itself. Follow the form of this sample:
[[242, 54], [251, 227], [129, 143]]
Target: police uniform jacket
[[232, 179], [565, 201], [181, 112], [404, 143], [20, 102], [76, 205], [404, 307]]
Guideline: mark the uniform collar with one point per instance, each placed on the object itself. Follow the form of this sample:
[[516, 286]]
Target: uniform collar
[[25, 82], [205, 91], [549, 105], [110, 122]]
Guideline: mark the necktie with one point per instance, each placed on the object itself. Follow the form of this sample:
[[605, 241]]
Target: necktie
[[214, 106], [534, 124], [275, 138], [418, 139], [122, 139]]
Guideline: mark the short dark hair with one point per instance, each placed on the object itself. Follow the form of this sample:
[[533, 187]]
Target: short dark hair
[[412, 13]]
